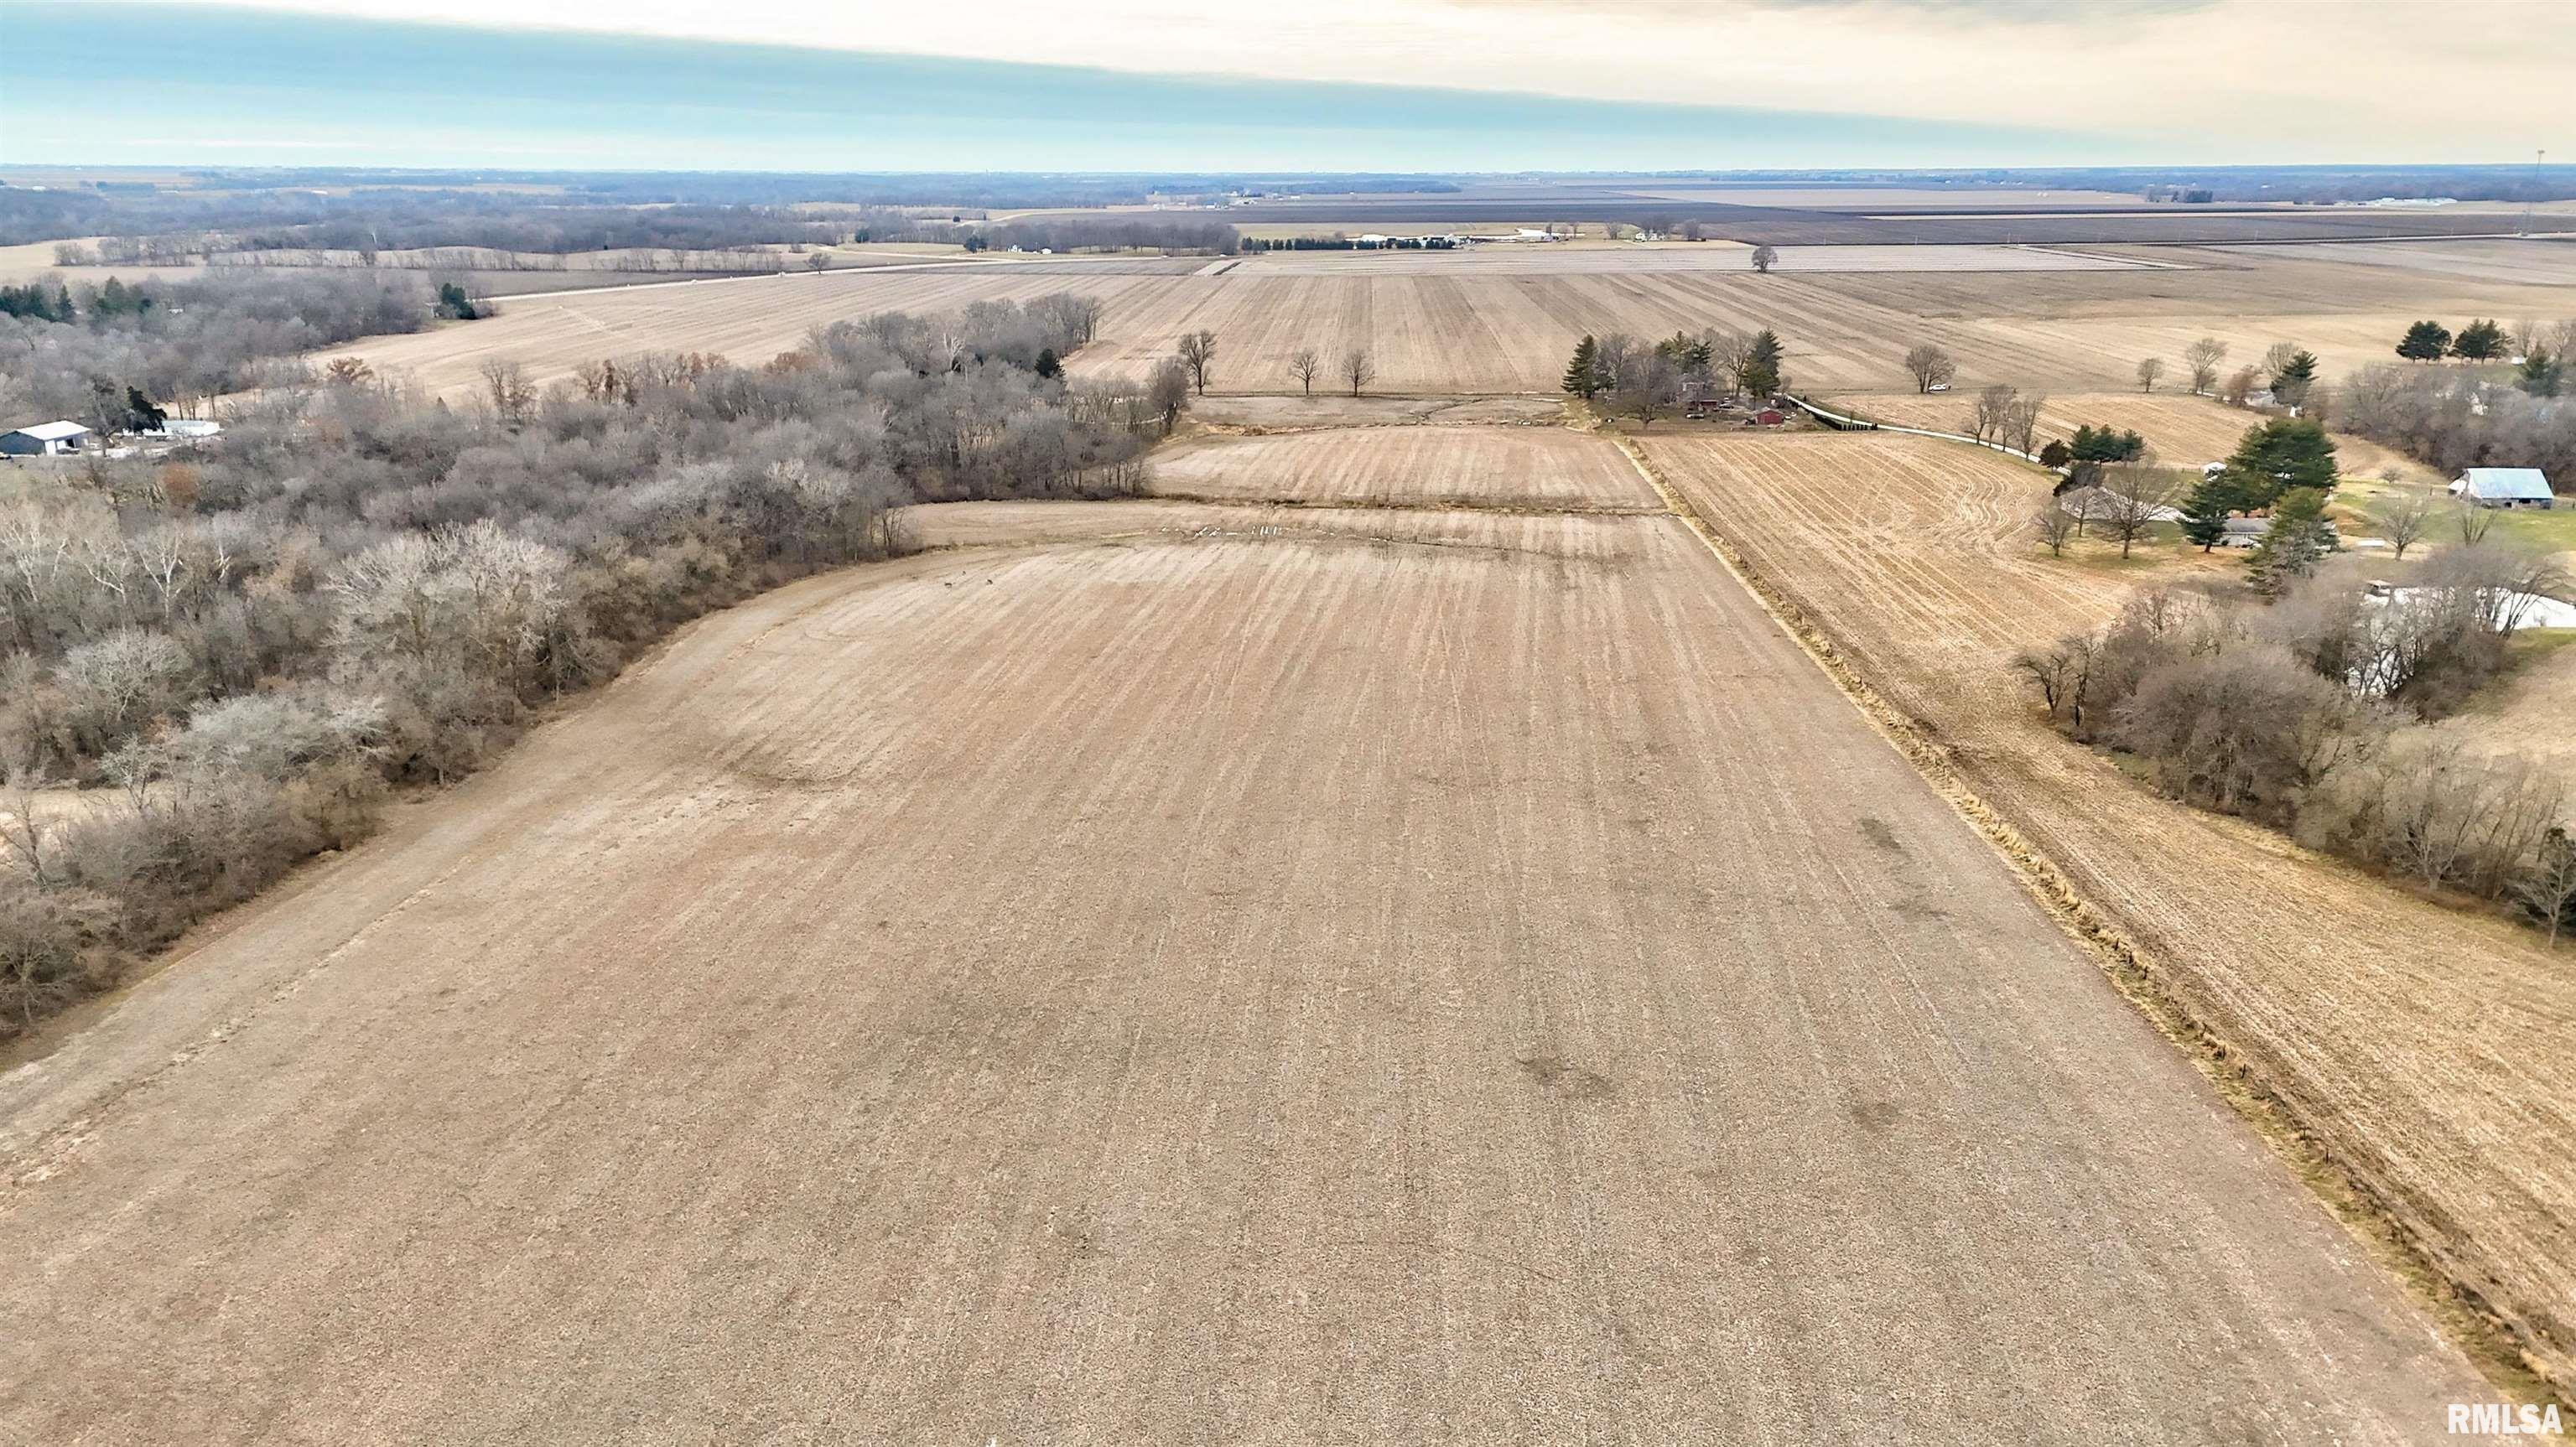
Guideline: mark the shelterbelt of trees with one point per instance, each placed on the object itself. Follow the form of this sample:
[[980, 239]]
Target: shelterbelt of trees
[[243, 649]]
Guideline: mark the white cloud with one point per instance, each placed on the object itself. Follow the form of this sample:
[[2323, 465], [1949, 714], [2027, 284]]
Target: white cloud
[[2386, 80]]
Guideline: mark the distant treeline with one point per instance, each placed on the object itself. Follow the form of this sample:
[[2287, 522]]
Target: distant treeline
[[407, 208]]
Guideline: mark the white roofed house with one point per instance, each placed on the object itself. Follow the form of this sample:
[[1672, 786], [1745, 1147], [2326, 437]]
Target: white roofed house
[[2523, 487], [44, 439]]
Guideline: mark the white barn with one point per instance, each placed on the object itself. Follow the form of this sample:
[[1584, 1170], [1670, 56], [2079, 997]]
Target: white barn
[[2504, 487], [43, 439]]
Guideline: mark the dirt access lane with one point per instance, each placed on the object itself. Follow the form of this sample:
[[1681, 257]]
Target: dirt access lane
[[1479, 984]]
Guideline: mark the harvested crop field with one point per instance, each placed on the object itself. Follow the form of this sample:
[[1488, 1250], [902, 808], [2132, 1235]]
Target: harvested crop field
[[2184, 430], [1271, 975], [1630, 259], [1462, 331], [1506, 467], [2432, 1051]]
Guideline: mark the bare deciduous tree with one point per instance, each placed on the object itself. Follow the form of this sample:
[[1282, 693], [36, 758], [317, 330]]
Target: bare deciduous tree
[[1197, 351], [1303, 365], [2407, 521], [2149, 370], [506, 386], [1931, 367], [1358, 368], [2473, 521], [2548, 888], [1986, 422], [2021, 422], [2134, 499], [1765, 257], [1168, 391], [2202, 358], [2056, 525]]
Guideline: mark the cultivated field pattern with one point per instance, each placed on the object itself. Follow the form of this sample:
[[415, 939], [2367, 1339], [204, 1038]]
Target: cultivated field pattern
[[1458, 325], [1247, 974], [1494, 467], [2434, 1048]]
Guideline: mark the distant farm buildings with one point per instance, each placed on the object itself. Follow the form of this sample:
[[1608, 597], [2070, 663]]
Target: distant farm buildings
[[2508, 487]]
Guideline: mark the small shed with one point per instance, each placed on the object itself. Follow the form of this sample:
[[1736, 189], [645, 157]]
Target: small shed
[[43, 439], [1769, 417], [2523, 487]]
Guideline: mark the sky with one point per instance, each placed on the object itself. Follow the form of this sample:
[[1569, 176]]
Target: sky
[[1301, 84]]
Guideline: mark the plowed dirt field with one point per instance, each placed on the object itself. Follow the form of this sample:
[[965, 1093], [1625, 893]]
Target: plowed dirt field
[[1229, 974], [2434, 1050]]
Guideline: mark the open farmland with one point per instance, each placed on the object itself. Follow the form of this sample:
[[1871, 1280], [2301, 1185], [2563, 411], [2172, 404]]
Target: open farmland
[[1455, 329], [2184, 430], [1506, 919], [1628, 258], [1505, 467], [2432, 1051]]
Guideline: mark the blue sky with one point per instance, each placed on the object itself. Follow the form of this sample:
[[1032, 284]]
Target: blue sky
[[1294, 85], [252, 87]]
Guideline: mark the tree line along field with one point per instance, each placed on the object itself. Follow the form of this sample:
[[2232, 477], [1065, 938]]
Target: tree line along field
[[2183, 430], [1459, 331], [762, 1032], [2428, 1049]]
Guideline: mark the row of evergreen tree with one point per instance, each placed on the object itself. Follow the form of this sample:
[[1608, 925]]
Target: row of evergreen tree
[[2479, 341], [35, 303]]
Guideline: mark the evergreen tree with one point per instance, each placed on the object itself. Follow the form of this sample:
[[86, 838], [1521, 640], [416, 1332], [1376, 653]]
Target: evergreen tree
[[1761, 375], [2479, 341], [2283, 453], [2291, 383], [140, 414], [2056, 454], [2540, 374], [2205, 509], [1046, 365], [1583, 374], [2295, 544], [2425, 342]]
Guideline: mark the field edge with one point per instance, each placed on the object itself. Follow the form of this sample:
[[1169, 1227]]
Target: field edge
[[2493, 1342]]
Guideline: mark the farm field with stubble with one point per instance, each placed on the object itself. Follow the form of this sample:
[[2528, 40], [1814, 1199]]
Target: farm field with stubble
[[1168, 971], [1502, 319], [2428, 1048]]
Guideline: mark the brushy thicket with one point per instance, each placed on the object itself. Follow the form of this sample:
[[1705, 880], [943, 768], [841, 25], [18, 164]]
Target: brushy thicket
[[361, 589], [2307, 715], [2454, 418], [182, 341]]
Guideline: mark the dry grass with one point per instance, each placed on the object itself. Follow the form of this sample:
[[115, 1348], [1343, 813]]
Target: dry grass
[[2428, 1050]]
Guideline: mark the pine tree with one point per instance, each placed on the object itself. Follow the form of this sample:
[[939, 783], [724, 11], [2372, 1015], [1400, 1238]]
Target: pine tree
[[2479, 341], [2205, 509], [1583, 374], [2425, 342], [1047, 366], [2293, 546], [2283, 453], [2540, 374]]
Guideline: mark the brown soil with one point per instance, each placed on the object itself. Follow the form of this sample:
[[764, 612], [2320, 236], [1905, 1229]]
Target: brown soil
[[1261, 975]]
